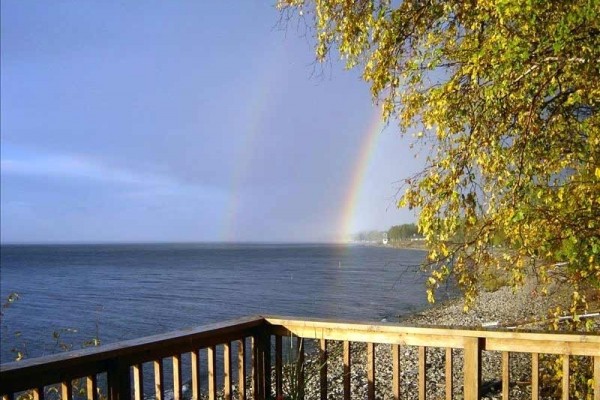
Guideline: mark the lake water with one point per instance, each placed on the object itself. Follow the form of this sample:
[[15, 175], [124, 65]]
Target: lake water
[[126, 291]]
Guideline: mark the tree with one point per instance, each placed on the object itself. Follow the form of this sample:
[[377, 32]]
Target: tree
[[503, 96], [402, 232]]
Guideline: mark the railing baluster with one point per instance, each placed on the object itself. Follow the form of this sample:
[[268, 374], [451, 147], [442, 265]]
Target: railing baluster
[[422, 372], [323, 368], [565, 377], [597, 378], [505, 374], [212, 372], [300, 368], [159, 379], [138, 382], [278, 366], [38, 393], [253, 371], [227, 370], [449, 373], [119, 380], [91, 386], [177, 395], [472, 367], [257, 361], [66, 390], [195, 361], [371, 371], [396, 371], [265, 364], [535, 376], [242, 369], [347, 365]]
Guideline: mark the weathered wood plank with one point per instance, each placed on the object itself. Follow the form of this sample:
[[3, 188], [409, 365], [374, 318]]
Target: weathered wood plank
[[449, 373], [535, 376], [177, 383], [543, 344], [159, 380], [422, 373], [396, 371], [38, 393], [347, 360], [66, 390], [472, 367], [212, 372], [394, 328], [371, 371], [227, 371], [300, 368], [242, 369], [266, 363], [91, 386], [195, 366], [138, 383], [278, 366], [365, 336], [565, 378], [253, 372], [505, 374], [323, 368]]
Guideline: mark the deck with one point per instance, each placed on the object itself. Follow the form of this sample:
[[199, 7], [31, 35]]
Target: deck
[[248, 353]]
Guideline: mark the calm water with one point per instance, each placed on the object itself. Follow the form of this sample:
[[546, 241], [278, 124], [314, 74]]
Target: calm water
[[128, 291]]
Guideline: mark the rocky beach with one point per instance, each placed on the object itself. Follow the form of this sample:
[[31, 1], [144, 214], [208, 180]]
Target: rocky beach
[[503, 308]]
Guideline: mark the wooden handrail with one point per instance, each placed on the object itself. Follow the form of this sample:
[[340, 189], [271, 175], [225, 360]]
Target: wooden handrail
[[19, 376], [123, 361], [472, 341]]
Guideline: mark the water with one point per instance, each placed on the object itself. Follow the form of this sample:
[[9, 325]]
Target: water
[[119, 292]]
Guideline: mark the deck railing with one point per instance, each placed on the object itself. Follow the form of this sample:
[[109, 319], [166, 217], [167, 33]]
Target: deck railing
[[205, 355]]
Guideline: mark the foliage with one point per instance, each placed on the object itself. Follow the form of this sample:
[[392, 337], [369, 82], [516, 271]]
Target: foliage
[[503, 98], [402, 232], [491, 281], [10, 299], [60, 344]]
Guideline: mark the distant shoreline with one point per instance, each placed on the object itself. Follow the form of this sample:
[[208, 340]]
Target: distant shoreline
[[402, 245]]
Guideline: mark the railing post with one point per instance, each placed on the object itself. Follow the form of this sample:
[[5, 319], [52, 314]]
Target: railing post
[[472, 367], [119, 381]]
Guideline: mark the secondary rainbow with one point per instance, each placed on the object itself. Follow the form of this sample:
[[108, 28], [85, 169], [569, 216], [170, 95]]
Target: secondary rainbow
[[367, 148]]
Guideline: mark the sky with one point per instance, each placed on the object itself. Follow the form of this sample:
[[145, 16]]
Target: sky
[[185, 121]]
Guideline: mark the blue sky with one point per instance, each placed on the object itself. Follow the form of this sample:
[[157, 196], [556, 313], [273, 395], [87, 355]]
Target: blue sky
[[181, 121]]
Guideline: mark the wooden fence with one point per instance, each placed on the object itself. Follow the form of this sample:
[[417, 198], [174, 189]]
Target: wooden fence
[[249, 351]]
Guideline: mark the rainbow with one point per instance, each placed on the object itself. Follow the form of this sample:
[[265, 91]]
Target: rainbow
[[367, 148], [254, 126]]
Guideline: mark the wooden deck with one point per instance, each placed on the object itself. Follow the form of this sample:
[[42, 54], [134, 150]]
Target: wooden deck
[[250, 351]]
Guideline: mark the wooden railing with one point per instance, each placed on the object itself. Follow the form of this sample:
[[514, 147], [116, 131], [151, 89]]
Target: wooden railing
[[204, 355]]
